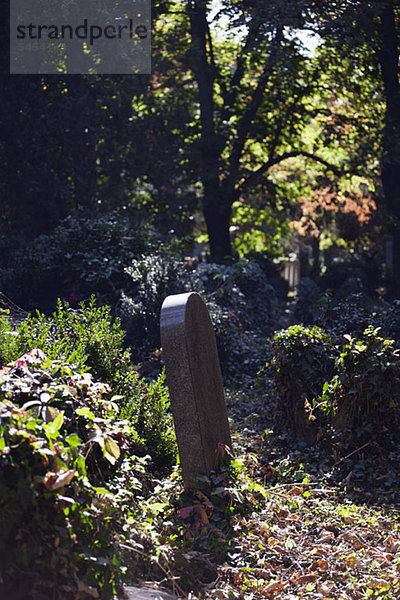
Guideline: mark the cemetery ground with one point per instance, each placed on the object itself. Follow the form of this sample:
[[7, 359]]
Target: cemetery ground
[[99, 496]]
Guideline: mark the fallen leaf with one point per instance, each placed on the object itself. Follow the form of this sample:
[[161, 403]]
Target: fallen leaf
[[185, 512], [201, 511], [296, 491], [352, 539], [326, 536], [54, 481], [378, 584], [303, 579], [87, 589], [272, 586]]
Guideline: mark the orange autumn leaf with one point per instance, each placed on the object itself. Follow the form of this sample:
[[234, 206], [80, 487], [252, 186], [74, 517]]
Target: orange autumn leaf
[[304, 579], [201, 511]]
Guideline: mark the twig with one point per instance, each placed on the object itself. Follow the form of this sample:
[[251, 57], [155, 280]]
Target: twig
[[168, 575], [351, 453], [325, 491], [298, 484]]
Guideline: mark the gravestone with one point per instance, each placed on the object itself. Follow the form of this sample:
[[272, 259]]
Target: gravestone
[[195, 385]]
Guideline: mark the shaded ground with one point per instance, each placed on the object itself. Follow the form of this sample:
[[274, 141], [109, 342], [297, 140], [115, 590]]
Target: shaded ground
[[303, 537], [308, 542]]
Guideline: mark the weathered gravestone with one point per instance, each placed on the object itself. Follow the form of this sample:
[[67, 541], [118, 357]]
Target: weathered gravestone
[[195, 384]]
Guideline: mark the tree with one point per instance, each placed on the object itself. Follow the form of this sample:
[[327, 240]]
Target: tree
[[369, 32], [64, 147], [253, 108]]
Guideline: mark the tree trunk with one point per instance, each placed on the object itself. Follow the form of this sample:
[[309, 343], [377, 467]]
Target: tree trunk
[[388, 56], [217, 208], [216, 204]]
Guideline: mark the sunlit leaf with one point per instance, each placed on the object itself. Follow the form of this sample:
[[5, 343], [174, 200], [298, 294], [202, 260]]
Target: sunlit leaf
[[111, 450]]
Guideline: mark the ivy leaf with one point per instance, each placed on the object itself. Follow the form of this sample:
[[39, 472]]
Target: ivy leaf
[[51, 429], [73, 440]]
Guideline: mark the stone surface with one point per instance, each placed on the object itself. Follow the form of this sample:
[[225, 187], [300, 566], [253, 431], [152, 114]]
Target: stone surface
[[143, 593], [195, 384]]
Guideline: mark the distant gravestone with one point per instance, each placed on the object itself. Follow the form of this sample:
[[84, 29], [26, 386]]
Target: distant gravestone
[[195, 384]]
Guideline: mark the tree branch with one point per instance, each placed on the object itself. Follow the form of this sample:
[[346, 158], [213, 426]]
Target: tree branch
[[254, 104], [231, 96], [257, 175]]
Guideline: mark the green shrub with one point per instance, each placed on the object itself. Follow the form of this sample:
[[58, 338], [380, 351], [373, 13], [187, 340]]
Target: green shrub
[[149, 409], [63, 438], [88, 339], [152, 278], [302, 359], [351, 390], [84, 255], [363, 397], [349, 316], [59, 444], [239, 314]]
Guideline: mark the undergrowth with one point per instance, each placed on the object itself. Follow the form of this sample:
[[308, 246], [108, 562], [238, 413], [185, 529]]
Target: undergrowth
[[91, 494], [66, 436]]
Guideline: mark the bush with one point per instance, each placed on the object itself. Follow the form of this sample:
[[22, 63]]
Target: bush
[[149, 410], [241, 304], [244, 288], [349, 389], [152, 278], [63, 437], [88, 339], [84, 255], [59, 440], [306, 306], [363, 397], [302, 360], [350, 316]]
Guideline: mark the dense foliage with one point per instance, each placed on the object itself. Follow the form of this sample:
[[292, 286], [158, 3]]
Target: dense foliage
[[65, 440], [343, 388], [241, 299], [245, 122], [302, 360], [265, 130], [81, 256]]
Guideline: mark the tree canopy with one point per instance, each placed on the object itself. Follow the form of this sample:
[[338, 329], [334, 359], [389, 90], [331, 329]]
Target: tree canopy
[[240, 124]]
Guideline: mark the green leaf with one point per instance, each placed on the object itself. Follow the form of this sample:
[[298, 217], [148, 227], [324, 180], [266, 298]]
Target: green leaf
[[51, 429], [158, 507], [85, 412], [111, 451], [103, 491], [81, 466], [73, 440]]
